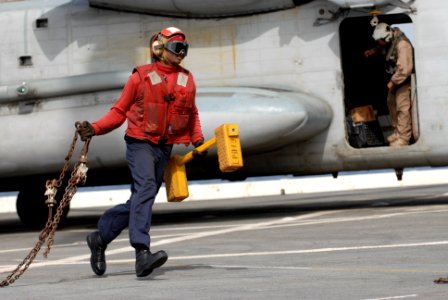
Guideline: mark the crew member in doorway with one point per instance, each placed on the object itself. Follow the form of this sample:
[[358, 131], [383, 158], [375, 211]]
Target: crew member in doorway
[[398, 51], [158, 102]]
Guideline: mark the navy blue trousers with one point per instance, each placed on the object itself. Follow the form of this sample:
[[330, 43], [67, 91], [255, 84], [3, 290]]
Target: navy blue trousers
[[147, 163]]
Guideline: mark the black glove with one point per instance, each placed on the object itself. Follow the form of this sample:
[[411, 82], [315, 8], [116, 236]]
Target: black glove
[[85, 130], [196, 153]]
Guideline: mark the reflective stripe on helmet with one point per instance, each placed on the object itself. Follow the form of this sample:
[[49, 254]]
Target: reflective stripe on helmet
[[170, 31]]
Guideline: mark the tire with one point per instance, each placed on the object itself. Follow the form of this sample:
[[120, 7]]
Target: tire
[[31, 207]]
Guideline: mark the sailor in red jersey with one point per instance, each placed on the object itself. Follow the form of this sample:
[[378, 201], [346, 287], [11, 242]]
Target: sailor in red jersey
[[158, 101]]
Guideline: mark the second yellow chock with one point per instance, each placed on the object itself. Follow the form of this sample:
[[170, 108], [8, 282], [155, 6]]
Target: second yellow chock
[[230, 159]]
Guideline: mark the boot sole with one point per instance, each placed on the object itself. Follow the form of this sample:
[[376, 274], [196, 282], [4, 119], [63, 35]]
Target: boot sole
[[156, 264]]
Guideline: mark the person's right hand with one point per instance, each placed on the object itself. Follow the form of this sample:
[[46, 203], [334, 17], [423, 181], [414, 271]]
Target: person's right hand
[[369, 52], [85, 130]]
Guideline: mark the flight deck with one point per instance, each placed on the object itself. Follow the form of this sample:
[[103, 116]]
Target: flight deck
[[377, 244]]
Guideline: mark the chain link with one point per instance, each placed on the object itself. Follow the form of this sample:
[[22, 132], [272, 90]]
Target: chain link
[[78, 176], [441, 280]]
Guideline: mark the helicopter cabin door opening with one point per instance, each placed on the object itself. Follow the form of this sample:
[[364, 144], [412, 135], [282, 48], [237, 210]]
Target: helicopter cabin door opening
[[367, 119]]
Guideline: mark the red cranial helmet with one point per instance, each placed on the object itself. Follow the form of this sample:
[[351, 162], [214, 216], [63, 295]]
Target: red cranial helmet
[[171, 39], [171, 32]]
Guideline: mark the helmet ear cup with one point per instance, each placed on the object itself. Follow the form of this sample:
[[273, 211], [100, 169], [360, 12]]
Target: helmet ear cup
[[157, 48]]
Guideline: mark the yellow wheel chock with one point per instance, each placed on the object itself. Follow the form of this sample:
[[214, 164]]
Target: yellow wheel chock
[[230, 159]]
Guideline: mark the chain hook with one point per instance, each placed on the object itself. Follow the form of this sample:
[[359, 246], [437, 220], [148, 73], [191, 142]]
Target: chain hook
[[50, 192], [81, 171]]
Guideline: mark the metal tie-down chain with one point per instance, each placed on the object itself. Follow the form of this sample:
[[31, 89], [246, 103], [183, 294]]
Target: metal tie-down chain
[[441, 280], [78, 176]]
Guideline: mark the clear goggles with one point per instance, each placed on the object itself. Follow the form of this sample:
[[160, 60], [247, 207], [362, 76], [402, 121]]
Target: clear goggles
[[177, 47]]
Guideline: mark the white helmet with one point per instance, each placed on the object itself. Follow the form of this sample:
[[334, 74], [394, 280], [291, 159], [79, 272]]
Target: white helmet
[[382, 31]]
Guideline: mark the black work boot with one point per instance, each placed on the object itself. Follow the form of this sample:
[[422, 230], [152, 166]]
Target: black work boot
[[146, 262], [97, 248]]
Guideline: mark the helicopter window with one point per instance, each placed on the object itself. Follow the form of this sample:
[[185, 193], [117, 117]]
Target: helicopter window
[[25, 61], [42, 23], [368, 121]]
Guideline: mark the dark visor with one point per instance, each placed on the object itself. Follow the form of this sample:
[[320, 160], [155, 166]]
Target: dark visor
[[177, 47]]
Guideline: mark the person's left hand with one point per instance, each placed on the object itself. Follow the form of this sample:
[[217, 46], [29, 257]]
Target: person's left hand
[[196, 153]]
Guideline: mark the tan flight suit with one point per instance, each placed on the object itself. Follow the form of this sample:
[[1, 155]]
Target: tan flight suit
[[400, 58]]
